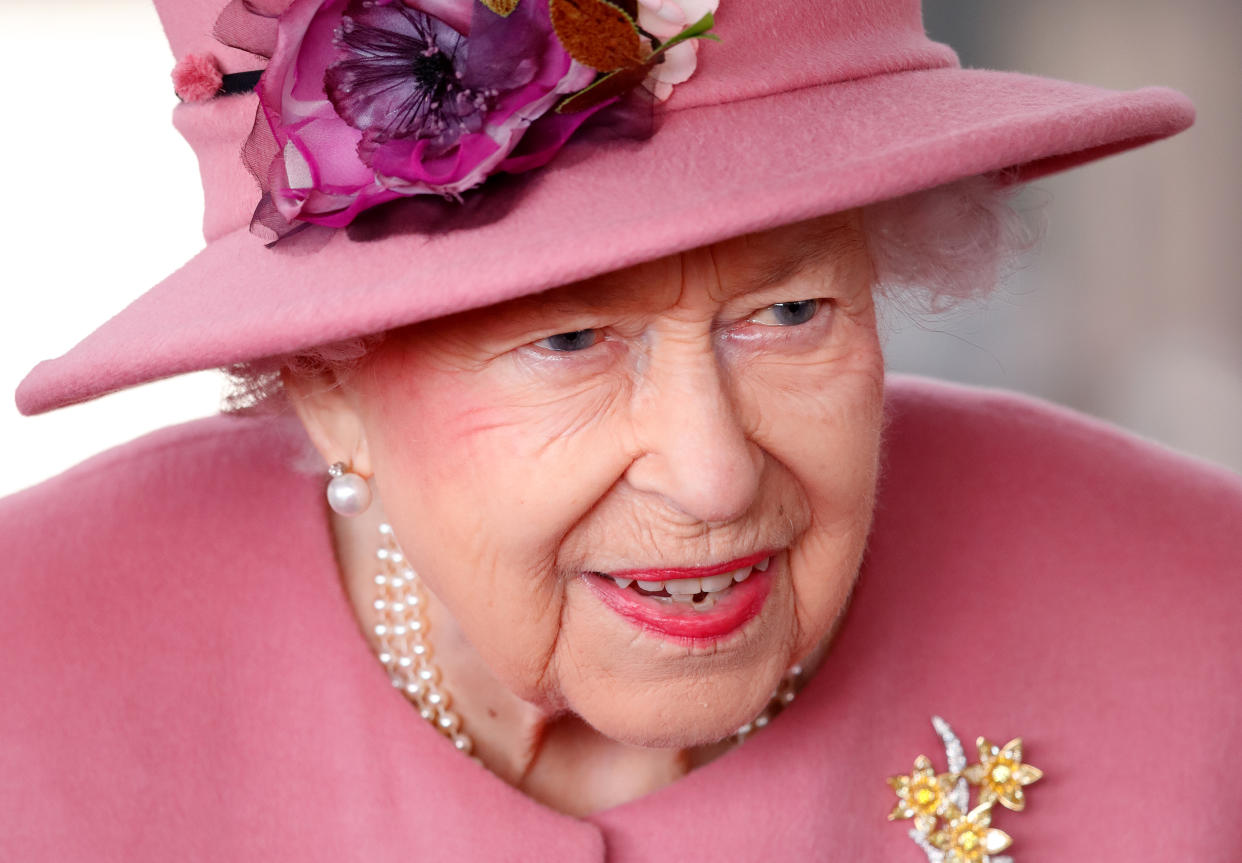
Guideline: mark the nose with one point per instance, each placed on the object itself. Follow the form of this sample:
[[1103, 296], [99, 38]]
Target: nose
[[694, 448]]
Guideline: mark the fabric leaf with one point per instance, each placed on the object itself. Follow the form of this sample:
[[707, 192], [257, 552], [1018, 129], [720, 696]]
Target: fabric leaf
[[597, 34], [503, 8], [698, 30], [624, 79]]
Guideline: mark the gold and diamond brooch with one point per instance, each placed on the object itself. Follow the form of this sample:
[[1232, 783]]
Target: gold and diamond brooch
[[945, 826]]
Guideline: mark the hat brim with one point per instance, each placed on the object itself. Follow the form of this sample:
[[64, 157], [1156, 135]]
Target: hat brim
[[708, 173]]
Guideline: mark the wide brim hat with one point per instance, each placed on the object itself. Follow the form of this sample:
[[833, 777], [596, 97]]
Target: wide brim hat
[[800, 109]]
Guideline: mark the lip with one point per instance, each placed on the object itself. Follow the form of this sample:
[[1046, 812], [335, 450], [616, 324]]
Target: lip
[[690, 571], [742, 604]]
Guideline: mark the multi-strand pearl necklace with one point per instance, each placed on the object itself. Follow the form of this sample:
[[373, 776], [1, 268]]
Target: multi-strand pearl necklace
[[401, 608]]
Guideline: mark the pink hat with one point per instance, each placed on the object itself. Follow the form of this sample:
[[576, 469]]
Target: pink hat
[[800, 109]]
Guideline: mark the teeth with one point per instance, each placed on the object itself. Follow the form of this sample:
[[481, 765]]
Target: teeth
[[713, 583], [684, 587], [709, 601]]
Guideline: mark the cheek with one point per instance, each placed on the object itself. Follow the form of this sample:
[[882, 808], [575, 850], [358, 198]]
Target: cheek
[[825, 433], [481, 483], [498, 470], [822, 420]]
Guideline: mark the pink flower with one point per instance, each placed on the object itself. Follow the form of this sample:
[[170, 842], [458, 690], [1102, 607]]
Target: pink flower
[[664, 19], [197, 78], [372, 100]]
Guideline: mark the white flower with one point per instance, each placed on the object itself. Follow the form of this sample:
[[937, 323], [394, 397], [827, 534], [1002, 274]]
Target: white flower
[[665, 19]]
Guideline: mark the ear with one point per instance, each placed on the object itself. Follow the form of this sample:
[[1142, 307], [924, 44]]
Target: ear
[[329, 413]]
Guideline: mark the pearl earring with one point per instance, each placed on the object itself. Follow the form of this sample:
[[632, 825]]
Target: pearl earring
[[348, 493]]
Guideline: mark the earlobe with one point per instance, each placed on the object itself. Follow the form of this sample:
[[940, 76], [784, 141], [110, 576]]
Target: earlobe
[[332, 421]]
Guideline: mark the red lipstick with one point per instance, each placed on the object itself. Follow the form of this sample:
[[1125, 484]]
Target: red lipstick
[[733, 608], [691, 571]]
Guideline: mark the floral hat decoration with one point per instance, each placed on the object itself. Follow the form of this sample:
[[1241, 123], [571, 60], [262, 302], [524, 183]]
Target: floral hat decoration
[[368, 164], [367, 101]]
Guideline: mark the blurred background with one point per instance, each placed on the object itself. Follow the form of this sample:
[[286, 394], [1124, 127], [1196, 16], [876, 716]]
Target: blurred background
[[1131, 310]]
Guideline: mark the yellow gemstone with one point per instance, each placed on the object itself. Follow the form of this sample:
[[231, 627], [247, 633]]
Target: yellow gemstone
[[1001, 774], [968, 840], [924, 796]]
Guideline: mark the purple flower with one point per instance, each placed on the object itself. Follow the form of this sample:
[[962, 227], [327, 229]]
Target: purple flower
[[401, 76], [371, 100]]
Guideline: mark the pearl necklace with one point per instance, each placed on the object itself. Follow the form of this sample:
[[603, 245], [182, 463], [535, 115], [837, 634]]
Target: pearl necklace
[[401, 606]]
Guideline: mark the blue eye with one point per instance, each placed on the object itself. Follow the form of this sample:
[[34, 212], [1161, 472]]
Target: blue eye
[[786, 314], [578, 340]]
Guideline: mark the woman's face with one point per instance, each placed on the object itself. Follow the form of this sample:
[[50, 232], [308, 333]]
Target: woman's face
[[699, 416]]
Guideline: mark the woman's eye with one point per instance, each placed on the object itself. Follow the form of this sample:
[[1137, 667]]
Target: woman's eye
[[578, 340], [786, 314]]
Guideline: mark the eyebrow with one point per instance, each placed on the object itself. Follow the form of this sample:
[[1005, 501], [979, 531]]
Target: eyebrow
[[807, 251], [809, 248]]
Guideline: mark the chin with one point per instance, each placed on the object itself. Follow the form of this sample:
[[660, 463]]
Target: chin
[[679, 714], [640, 684]]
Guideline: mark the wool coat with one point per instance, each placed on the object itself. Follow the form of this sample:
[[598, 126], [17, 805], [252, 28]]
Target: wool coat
[[182, 676]]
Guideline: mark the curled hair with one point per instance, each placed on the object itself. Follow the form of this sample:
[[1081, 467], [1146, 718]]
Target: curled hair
[[932, 249], [941, 246], [258, 386]]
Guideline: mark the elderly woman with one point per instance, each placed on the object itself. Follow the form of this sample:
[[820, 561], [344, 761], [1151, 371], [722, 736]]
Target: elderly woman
[[632, 552]]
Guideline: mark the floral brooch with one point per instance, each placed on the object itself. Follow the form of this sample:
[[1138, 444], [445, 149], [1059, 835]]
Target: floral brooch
[[945, 825], [366, 101]]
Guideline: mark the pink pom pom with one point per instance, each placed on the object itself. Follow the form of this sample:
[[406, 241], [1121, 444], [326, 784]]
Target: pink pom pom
[[197, 78]]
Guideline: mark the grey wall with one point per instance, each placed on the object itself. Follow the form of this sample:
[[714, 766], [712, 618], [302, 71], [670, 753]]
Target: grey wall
[[1132, 308]]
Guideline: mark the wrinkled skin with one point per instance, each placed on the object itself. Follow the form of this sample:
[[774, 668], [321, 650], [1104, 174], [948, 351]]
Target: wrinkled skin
[[693, 428]]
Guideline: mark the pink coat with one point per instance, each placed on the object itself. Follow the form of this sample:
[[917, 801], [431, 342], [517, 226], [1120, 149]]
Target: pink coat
[[183, 678]]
